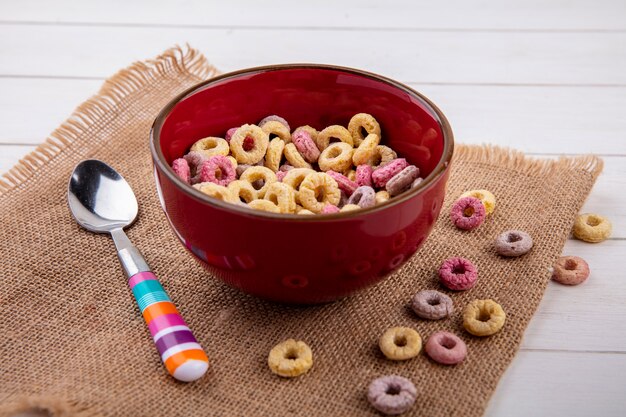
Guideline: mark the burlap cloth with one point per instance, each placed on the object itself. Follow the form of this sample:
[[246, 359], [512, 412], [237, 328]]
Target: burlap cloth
[[73, 342]]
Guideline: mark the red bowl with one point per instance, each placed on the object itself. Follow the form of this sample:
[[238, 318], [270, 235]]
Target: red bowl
[[302, 259]]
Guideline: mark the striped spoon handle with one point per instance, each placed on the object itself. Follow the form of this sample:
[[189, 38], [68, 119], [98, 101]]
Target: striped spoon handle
[[181, 353]]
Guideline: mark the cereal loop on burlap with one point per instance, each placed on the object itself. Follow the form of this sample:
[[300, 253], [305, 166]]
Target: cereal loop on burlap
[[446, 348], [513, 243], [485, 197], [391, 394], [336, 157], [483, 317], [432, 305], [361, 125], [400, 343], [290, 358], [458, 274], [467, 213], [249, 144]]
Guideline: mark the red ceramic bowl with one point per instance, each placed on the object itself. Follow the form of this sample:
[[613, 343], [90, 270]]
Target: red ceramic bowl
[[302, 259]]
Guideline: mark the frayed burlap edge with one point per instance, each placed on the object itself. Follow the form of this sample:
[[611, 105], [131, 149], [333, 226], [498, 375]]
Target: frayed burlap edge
[[174, 61]]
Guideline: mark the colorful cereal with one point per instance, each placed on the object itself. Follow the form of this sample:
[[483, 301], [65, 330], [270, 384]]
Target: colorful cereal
[[276, 129], [467, 213], [259, 173], [219, 170], [485, 197], [570, 270], [253, 135], [274, 154], [458, 274], [391, 394], [216, 191], [294, 158], [366, 150], [317, 190], [363, 122], [380, 176], [334, 132], [336, 157], [363, 197], [211, 146], [306, 146], [400, 343], [402, 180], [446, 348], [283, 196], [343, 182], [181, 168], [483, 317], [513, 243], [432, 305], [290, 358], [364, 175], [592, 228]]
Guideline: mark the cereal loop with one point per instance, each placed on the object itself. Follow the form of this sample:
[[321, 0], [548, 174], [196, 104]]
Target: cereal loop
[[216, 191], [592, 228], [336, 157], [391, 394], [229, 134], [382, 156], [458, 274], [274, 118], [351, 175], [432, 305], [380, 176], [334, 131], [219, 170], [382, 196], [485, 197], [366, 150], [195, 160], [211, 146], [283, 196], [364, 175], [483, 317], [363, 122], [290, 358], [363, 197], [294, 158], [306, 146], [446, 348], [257, 173], [264, 205], [274, 154], [250, 134], [570, 270], [243, 191], [350, 207], [513, 243], [317, 190], [181, 168], [344, 183], [400, 343], [467, 213], [402, 180], [329, 208], [310, 130], [295, 177], [276, 129]]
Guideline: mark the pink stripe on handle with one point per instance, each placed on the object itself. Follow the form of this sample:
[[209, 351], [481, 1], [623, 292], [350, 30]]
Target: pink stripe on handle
[[141, 276], [162, 322]]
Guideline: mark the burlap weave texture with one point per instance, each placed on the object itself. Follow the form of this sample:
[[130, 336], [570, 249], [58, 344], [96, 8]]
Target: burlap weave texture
[[73, 341]]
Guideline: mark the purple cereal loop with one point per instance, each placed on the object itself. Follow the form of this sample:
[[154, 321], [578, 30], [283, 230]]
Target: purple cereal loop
[[432, 305], [363, 197], [343, 182], [329, 208], [229, 133], [381, 175], [196, 160], [468, 213], [458, 274], [402, 180], [364, 175], [280, 175], [446, 348], [391, 394], [513, 243], [215, 164], [274, 118], [181, 168], [305, 145]]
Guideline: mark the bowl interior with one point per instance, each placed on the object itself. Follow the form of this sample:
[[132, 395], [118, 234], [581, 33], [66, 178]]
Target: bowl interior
[[305, 95]]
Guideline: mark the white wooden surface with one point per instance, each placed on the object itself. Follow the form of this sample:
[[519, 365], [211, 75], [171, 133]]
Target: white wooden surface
[[546, 77]]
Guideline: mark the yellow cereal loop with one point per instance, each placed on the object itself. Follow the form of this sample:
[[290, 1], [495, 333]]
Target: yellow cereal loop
[[283, 195], [216, 191], [274, 153], [274, 128], [293, 156], [252, 138], [400, 343], [350, 207], [243, 191], [382, 196], [334, 131], [483, 317], [295, 177], [264, 205], [232, 161], [351, 175], [365, 151], [382, 155], [592, 228], [310, 130], [337, 157], [317, 190], [290, 358], [256, 173], [485, 197], [304, 211], [363, 122], [211, 146]]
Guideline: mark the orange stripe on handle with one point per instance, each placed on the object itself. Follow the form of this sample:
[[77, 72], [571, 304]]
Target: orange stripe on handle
[[174, 361], [159, 309]]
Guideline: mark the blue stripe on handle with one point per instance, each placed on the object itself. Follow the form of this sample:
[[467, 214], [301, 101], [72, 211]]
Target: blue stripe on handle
[[149, 292]]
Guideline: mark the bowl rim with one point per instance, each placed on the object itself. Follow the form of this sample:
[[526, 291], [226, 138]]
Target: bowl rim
[[159, 159]]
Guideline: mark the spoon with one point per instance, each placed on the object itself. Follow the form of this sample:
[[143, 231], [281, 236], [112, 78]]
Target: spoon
[[101, 201]]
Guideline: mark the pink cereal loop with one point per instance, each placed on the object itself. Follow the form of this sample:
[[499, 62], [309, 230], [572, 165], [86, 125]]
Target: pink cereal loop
[[364, 175], [181, 168], [229, 133], [458, 274], [280, 175], [218, 170], [329, 208], [381, 175], [468, 213], [343, 182], [305, 145]]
